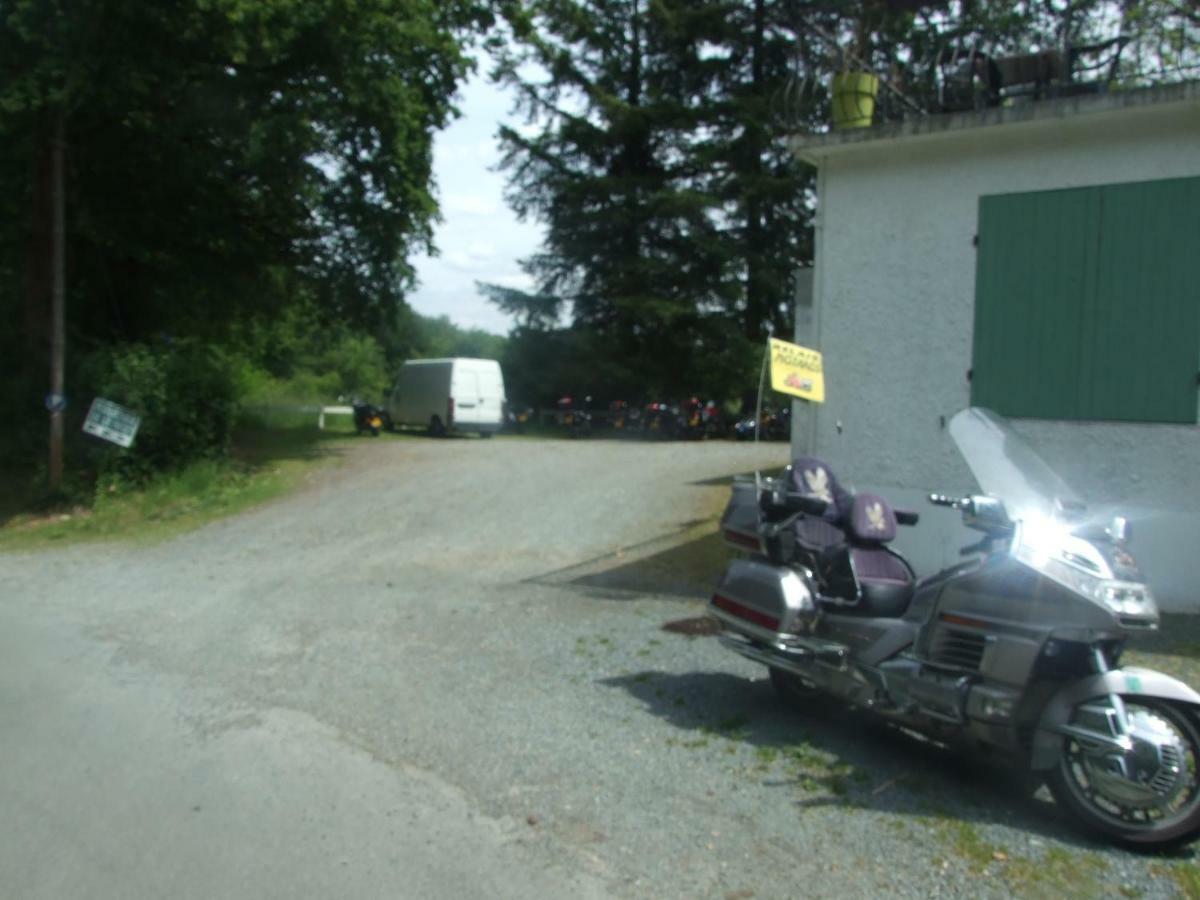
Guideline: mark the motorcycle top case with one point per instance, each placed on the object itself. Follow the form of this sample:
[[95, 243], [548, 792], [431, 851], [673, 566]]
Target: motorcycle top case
[[760, 600], [739, 523]]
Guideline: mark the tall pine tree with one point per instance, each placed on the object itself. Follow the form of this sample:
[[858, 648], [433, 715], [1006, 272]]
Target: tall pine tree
[[607, 165], [676, 218]]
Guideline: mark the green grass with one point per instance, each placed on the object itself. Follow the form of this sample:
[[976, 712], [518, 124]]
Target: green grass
[[1173, 649], [265, 463], [1054, 872], [1186, 876]]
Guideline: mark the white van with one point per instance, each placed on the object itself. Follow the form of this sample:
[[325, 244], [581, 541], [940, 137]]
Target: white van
[[449, 394]]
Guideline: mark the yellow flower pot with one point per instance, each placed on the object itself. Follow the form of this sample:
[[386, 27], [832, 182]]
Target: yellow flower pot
[[854, 99]]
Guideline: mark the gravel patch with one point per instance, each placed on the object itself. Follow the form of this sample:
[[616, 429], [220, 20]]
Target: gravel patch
[[512, 624]]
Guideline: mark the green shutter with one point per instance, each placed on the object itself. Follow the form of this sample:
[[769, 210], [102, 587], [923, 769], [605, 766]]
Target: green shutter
[[1087, 305]]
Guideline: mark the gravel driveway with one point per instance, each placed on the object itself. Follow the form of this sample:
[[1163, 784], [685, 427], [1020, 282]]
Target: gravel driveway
[[441, 670]]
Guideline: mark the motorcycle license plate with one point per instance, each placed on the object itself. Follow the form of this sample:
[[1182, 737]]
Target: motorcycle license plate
[[376, 422]]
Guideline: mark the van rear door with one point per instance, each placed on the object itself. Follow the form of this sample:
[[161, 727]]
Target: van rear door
[[491, 395], [466, 396]]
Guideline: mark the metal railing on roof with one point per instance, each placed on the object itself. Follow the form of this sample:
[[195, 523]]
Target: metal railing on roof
[[946, 67]]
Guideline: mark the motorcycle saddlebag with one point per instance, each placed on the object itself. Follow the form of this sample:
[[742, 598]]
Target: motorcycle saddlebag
[[759, 600]]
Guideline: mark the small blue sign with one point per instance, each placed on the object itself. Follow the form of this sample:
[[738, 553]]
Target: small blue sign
[[56, 402]]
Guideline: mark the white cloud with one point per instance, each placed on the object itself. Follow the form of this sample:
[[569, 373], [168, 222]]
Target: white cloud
[[470, 258], [488, 151], [518, 281], [481, 250], [479, 238], [471, 205], [457, 153], [457, 259]]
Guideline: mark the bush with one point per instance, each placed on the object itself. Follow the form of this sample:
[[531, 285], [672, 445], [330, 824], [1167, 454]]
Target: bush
[[301, 359], [186, 395], [357, 363]]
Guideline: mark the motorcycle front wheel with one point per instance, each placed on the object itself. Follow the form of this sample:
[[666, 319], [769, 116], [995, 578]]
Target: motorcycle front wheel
[[1154, 807]]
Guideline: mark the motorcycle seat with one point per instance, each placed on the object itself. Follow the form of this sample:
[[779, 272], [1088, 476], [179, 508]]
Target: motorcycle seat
[[812, 477], [864, 576]]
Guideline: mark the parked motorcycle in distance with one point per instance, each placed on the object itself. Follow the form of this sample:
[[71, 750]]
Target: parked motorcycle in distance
[[691, 420], [367, 417], [574, 417], [713, 419], [661, 420], [773, 426], [1016, 650], [623, 416], [517, 417]]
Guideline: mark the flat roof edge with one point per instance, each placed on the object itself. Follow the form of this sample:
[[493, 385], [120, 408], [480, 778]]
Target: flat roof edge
[[813, 148]]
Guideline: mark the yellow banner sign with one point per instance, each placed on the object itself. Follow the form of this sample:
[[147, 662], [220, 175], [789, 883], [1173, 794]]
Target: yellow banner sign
[[797, 371]]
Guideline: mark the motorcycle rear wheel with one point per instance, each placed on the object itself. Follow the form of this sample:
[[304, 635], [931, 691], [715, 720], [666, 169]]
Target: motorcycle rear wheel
[[791, 688], [1086, 798]]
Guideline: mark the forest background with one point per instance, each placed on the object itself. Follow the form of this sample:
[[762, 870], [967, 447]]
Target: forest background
[[243, 186]]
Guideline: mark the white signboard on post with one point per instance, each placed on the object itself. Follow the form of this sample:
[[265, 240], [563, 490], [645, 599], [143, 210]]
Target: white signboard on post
[[112, 422]]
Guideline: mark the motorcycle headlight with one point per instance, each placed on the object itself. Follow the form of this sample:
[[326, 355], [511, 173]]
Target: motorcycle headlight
[[1131, 601], [1127, 598], [1071, 575], [1075, 563]]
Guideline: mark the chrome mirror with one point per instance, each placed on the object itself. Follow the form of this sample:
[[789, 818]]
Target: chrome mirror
[[986, 514], [1119, 530]]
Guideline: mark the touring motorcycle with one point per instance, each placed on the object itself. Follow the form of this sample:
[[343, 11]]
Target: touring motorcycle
[[1015, 649]]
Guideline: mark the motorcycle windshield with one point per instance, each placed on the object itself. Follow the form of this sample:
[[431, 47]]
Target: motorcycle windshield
[[1007, 468]]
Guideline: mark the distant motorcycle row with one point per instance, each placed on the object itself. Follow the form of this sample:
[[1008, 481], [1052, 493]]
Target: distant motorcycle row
[[692, 419]]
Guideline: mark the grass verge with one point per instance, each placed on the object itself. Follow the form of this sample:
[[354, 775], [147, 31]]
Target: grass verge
[[265, 463], [1173, 649]]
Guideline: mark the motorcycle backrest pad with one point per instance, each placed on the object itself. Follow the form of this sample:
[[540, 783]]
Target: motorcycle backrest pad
[[872, 520], [813, 477]]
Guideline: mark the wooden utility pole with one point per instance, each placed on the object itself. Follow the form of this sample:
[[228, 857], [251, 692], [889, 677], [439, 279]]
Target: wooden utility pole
[[57, 290]]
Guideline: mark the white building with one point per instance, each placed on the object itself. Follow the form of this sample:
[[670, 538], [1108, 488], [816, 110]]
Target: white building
[[1042, 260]]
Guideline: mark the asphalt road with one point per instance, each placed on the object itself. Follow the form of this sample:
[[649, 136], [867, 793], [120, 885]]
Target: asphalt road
[[441, 671]]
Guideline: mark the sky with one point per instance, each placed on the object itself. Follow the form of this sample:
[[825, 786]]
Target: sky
[[479, 238]]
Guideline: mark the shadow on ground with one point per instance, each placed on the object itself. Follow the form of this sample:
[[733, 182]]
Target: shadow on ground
[[258, 447], [722, 480], [827, 756], [689, 570]]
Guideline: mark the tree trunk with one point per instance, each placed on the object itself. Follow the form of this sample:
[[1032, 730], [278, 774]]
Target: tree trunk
[[757, 292], [57, 292], [35, 319]]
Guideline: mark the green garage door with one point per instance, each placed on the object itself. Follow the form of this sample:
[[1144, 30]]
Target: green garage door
[[1087, 303]]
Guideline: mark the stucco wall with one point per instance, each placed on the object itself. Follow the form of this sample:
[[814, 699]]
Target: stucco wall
[[894, 312]]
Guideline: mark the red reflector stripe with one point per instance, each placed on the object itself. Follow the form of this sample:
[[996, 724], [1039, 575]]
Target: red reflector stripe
[[962, 620], [745, 612], [742, 540]]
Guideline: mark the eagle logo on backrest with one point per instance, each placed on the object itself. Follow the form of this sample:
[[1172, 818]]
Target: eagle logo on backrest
[[875, 517], [818, 484]]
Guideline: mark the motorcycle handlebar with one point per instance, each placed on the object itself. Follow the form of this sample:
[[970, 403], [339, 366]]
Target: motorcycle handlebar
[[943, 500], [792, 502]]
